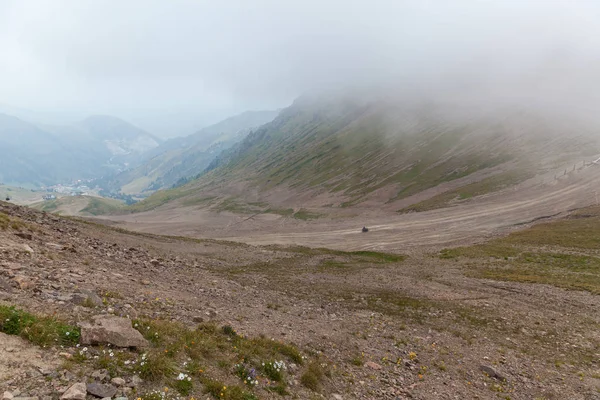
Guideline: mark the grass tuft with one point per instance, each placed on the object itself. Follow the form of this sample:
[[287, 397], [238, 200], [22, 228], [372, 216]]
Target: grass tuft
[[43, 331], [313, 377]]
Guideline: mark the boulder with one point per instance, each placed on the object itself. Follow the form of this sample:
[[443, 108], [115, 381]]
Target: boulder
[[111, 330], [24, 282], [101, 390], [118, 381], [372, 365], [24, 235], [76, 392], [87, 297], [135, 381], [492, 373]]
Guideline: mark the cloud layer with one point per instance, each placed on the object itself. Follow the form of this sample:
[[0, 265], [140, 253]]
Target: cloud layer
[[145, 57]]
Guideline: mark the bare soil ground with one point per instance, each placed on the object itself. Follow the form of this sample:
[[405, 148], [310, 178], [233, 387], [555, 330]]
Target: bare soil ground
[[417, 326]]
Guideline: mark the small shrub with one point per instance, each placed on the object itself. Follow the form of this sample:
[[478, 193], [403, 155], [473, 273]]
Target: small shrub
[[229, 331], [89, 303], [280, 389], [358, 360], [157, 365], [218, 390], [313, 376]]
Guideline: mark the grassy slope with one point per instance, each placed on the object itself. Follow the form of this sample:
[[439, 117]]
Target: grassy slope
[[487, 185], [562, 253], [354, 149], [80, 205], [19, 195]]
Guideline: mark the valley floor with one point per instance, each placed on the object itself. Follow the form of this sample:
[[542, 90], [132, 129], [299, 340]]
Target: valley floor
[[470, 222]]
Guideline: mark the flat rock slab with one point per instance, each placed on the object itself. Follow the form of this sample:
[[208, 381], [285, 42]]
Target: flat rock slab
[[101, 390], [111, 330]]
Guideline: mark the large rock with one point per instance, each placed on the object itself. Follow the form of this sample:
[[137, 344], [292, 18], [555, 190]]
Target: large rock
[[87, 298], [492, 373], [112, 330], [75, 392], [118, 381], [101, 390], [24, 282], [372, 365]]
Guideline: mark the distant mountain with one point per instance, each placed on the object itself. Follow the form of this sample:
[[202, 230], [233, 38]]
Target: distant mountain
[[343, 151], [120, 137], [176, 160], [119, 141], [46, 155]]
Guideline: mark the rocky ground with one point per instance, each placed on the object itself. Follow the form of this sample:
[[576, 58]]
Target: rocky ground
[[381, 326]]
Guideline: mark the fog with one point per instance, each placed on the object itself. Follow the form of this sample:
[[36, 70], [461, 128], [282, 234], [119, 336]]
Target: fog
[[171, 66]]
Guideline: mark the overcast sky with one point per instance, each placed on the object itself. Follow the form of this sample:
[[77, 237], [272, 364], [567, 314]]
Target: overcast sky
[[195, 61]]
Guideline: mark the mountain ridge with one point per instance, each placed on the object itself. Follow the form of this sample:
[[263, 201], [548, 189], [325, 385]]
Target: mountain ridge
[[176, 160]]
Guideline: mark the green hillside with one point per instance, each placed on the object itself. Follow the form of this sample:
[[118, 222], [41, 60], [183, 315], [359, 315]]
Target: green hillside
[[80, 205], [388, 150]]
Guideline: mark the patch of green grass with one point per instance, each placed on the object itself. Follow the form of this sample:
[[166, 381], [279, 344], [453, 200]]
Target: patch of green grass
[[497, 250], [88, 302], [331, 266], [359, 256], [358, 360], [158, 199], [279, 388], [580, 230], [238, 207], [219, 390], [561, 270], [197, 201], [11, 222], [485, 186], [100, 206], [4, 221], [306, 215], [158, 366], [562, 253], [394, 303], [263, 348], [229, 331], [379, 257], [183, 386], [272, 370], [41, 330], [213, 348], [48, 206]]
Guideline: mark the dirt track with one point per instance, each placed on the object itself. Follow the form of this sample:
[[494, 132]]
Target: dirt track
[[467, 223]]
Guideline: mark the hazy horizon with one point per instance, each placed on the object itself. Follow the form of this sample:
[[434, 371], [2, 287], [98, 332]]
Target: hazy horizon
[[172, 67]]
